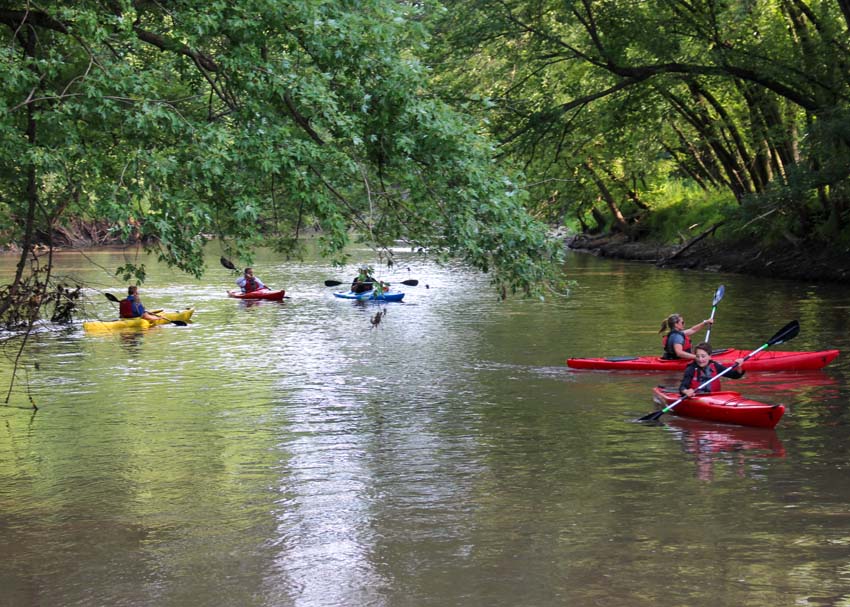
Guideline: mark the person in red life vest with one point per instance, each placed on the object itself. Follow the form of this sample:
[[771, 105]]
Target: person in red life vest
[[131, 306], [248, 282], [677, 343], [703, 369]]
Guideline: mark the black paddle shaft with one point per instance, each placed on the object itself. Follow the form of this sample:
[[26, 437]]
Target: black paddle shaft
[[335, 283]]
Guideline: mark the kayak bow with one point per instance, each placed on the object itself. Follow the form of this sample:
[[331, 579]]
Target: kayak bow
[[725, 407]]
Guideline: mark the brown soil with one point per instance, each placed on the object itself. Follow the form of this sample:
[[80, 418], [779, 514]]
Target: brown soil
[[793, 262]]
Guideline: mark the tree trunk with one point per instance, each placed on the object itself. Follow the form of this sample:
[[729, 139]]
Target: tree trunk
[[631, 192], [31, 190], [702, 123], [680, 162], [619, 221], [756, 168]]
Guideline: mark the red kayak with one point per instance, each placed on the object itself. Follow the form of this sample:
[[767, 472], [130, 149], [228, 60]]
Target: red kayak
[[724, 407], [763, 361], [259, 294]]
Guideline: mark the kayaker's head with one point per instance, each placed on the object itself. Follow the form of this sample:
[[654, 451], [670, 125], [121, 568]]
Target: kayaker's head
[[672, 322], [132, 290], [364, 271], [249, 271], [703, 354]]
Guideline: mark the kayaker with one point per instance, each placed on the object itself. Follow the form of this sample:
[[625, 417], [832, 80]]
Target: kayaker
[[364, 281], [131, 306], [703, 369], [677, 343], [248, 282]]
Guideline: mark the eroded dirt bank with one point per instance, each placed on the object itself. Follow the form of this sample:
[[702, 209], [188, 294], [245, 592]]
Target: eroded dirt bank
[[793, 262]]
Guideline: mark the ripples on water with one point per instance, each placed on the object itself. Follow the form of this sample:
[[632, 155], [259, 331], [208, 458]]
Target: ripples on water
[[290, 454]]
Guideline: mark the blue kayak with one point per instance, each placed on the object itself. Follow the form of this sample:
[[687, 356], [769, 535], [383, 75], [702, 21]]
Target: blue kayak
[[369, 296]]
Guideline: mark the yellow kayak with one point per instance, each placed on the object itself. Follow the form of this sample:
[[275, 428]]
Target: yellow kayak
[[96, 326]]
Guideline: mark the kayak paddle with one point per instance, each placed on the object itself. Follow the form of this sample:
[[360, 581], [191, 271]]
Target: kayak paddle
[[335, 283], [786, 333], [179, 323], [718, 295]]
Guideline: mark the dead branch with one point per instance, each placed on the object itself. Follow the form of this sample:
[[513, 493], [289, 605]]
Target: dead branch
[[690, 243]]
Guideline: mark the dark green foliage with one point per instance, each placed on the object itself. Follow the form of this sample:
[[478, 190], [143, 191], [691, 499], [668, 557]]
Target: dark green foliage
[[607, 103], [251, 121]]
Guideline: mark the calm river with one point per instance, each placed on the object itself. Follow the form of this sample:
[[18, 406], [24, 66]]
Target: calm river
[[290, 454]]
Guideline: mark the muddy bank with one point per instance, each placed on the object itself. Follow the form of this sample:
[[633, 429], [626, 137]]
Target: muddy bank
[[793, 262]]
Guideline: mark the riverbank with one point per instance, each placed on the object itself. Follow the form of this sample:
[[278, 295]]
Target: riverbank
[[791, 262]]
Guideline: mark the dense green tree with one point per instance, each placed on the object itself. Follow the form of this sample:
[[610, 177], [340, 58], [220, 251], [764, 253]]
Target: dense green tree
[[751, 97], [248, 119]]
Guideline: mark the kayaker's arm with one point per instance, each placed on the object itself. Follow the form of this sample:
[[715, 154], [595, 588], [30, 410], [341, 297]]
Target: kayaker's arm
[[687, 378], [679, 350], [699, 326], [735, 371]]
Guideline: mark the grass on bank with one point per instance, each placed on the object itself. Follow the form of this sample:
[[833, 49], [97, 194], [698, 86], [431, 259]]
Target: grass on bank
[[680, 211]]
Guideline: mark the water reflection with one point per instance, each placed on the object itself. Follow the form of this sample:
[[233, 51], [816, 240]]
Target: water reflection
[[250, 303], [131, 341], [287, 454], [720, 444], [794, 382]]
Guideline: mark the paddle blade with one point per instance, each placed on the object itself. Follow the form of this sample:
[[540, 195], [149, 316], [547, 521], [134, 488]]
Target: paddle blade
[[786, 333], [410, 283], [227, 263], [718, 295], [654, 416], [180, 323], [332, 283], [111, 297]]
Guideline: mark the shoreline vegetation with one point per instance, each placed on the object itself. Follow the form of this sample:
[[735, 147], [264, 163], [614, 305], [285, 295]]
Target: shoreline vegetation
[[464, 129], [700, 253]]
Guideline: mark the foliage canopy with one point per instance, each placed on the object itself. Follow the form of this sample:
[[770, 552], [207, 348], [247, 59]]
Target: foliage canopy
[[607, 102], [253, 121]]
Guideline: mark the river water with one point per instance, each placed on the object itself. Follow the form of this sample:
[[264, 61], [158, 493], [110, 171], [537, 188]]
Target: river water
[[291, 454]]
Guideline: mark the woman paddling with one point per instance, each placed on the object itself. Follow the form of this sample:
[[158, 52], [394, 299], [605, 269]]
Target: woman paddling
[[677, 343], [703, 369]]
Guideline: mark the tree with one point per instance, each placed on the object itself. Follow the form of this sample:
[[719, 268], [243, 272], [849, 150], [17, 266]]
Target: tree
[[728, 90], [242, 120]]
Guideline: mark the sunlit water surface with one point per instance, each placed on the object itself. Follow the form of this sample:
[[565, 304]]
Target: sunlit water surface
[[290, 453]]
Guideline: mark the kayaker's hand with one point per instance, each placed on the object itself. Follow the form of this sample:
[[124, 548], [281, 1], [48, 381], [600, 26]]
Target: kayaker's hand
[[739, 361], [688, 392], [708, 321]]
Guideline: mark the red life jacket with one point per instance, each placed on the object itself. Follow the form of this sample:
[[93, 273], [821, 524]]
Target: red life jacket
[[125, 308], [703, 375], [670, 354], [251, 284]]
